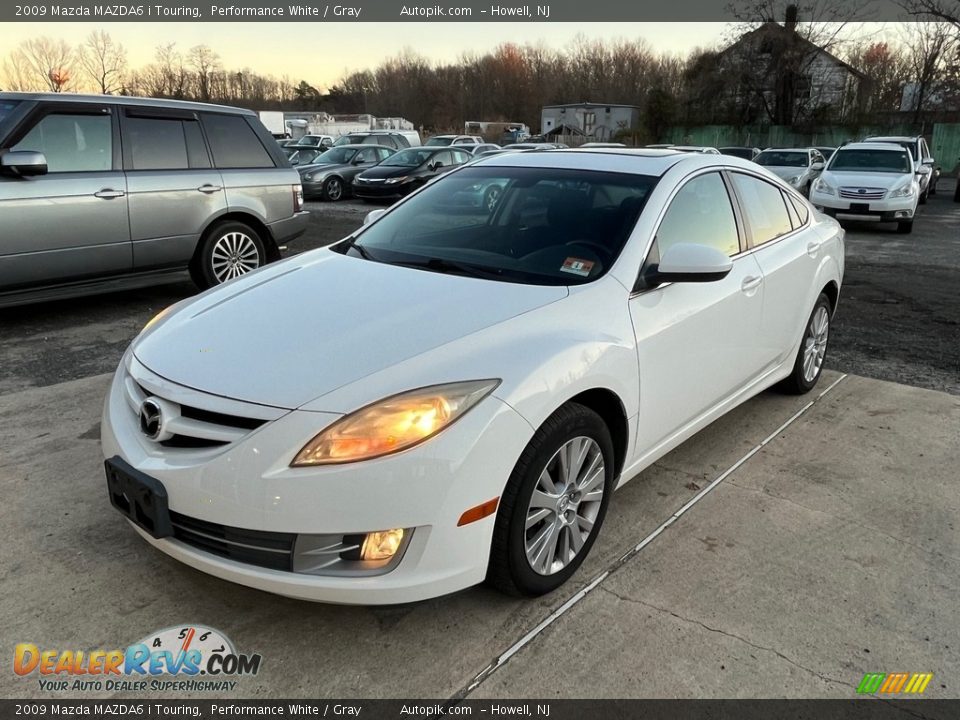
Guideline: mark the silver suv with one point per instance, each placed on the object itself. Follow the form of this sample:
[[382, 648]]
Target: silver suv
[[100, 193]]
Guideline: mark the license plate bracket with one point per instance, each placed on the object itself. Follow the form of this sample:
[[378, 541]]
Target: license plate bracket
[[859, 207], [139, 497]]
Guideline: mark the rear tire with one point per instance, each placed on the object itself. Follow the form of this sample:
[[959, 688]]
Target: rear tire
[[229, 250], [905, 227], [540, 541], [923, 197], [813, 349]]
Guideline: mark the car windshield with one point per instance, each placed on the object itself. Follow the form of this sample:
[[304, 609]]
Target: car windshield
[[530, 225], [310, 140], [905, 144], [782, 159], [745, 153], [304, 156], [412, 157], [335, 156], [891, 161], [434, 141]]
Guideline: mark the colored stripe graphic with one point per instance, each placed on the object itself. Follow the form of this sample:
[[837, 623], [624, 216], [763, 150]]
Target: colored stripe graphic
[[892, 683]]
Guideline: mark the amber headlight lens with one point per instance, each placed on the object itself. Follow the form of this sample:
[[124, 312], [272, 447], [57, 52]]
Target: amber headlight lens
[[393, 424]]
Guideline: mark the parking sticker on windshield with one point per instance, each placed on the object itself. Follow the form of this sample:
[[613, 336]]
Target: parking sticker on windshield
[[577, 266]]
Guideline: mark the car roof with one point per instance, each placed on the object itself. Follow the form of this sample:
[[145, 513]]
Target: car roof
[[124, 100], [636, 161], [887, 146], [359, 146], [891, 138], [801, 149]]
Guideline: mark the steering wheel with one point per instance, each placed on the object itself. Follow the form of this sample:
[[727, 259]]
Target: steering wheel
[[602, 251]]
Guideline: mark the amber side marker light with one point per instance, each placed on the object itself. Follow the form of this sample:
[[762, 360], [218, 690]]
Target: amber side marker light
[[478, 512]]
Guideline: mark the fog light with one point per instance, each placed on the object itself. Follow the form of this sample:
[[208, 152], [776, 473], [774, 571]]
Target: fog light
[[381, 545]]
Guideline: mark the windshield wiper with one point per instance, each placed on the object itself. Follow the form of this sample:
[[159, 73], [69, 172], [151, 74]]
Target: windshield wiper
[[364, 253], [442, 265]]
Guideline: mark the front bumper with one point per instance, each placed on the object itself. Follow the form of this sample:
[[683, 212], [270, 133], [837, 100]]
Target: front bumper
[[381, 191], [249, 484], [885, 210]]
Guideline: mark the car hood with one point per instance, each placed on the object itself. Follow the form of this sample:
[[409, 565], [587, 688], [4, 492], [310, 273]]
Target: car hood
[[299, 329], [786, 172], [388, 171], [865, 179]]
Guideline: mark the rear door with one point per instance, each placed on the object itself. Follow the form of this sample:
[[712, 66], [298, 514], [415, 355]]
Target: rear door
[[173, 189], [71, 223], [788, 252]]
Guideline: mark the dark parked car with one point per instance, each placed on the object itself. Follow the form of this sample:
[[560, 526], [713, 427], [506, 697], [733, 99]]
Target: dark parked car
[[331, 173], [404, 172], [102, 192], [395, 139]]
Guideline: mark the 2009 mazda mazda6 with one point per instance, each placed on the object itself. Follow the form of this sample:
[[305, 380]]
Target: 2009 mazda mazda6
[[452, 393]]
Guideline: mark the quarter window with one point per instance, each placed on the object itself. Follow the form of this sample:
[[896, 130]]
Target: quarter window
[[700, 213], [764, 208], [72, 143], [234, 143]]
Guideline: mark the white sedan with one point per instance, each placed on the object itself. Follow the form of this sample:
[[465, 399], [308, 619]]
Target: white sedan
[[452, 394]]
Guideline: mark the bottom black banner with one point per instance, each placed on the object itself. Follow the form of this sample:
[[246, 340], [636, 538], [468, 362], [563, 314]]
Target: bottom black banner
[[872, 709]]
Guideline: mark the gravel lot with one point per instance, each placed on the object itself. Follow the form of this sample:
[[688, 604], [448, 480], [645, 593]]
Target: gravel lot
[[899, 315]]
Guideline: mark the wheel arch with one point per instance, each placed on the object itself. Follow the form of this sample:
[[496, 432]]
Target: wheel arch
[[609, 407], [832, 291]]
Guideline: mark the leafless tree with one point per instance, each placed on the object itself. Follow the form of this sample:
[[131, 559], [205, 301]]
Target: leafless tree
[[930, 45], [43, 63], [205, 63], [103, 61]]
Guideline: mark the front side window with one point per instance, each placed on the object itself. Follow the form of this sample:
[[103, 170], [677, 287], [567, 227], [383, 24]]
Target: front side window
[[367, 156], [700, 213], [529, 225], [411, 158], [764, 208], [72, 143]]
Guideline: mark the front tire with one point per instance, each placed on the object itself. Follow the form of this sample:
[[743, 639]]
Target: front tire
[[332, 189], [813, 349], [905, 227], [229, 250], [554, 504]]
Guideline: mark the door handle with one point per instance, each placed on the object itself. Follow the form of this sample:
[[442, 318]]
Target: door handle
[[750, 283], [209, 189], [108, 194]]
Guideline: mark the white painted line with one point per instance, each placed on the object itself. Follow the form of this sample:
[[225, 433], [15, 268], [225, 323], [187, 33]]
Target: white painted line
[[505, 656]]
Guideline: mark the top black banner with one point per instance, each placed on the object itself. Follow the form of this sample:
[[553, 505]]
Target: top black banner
[[459, 11]]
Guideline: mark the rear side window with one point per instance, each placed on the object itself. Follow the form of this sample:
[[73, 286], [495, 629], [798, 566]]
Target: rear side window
[[164, 144], [72, 143], [764, 208], [800, 208], [234, 143]]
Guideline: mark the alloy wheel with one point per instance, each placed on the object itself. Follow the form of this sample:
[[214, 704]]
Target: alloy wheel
[[564, 505], [334, 189], [815, 344], [233, 255]]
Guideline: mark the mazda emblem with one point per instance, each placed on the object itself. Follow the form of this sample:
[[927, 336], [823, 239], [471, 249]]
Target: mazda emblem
[[151, 418]]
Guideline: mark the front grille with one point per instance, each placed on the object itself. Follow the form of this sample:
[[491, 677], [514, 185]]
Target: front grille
[[853, 193], [192, 427], [255, 547]]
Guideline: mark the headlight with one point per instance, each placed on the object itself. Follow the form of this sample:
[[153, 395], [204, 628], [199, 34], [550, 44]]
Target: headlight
[[394, 181], [902, 191], [308, 177], [824, 187], [393, 424]]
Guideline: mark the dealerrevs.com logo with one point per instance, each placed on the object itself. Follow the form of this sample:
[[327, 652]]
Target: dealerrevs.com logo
[[185, 658]]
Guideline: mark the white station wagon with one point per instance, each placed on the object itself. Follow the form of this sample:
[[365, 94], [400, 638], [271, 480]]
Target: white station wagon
[[452, 393]]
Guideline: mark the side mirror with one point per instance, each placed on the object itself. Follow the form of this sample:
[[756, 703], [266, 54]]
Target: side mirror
[[687, 262], [23, 163], [817, 166], [374, 215], [436, 166]]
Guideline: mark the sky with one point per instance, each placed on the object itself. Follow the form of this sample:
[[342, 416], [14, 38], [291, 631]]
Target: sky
[[321, 53]]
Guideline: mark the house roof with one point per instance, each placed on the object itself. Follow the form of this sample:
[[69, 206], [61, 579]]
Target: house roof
[[591, 105], [770, 27]]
